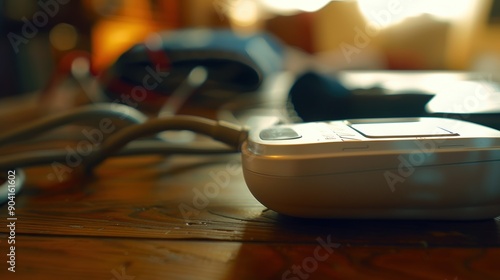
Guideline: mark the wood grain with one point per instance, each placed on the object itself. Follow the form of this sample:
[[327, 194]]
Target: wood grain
[[125, 221], [140, 197], [46, 257]]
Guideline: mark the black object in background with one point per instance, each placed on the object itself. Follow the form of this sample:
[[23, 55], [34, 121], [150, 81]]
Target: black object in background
[[8, 67], [317, 97]]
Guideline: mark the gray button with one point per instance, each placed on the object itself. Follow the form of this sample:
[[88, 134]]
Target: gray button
[[279, 133]]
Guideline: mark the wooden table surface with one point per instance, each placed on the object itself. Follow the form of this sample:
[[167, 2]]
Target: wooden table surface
[[144, 218], [136, 219]]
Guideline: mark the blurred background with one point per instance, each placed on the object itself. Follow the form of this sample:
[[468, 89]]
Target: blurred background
[[454, 35]]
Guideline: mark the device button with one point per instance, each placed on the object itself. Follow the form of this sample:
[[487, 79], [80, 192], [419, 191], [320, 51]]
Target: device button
[[279, 133]]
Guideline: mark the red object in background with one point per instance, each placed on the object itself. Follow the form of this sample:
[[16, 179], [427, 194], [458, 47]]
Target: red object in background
[[296, 30]]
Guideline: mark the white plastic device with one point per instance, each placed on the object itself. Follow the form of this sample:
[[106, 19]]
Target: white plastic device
[[405, 168]]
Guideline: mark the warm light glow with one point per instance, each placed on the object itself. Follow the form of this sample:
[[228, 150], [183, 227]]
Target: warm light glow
[[293, 6], [244, 12], [389, 12], [63, 37], [110, 38], [248, 14]]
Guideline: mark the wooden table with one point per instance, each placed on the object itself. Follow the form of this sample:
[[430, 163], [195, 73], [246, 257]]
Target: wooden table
[[127, 222], [146, 218]]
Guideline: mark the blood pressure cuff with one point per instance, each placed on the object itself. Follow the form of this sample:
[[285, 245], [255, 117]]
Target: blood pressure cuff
[[318, 97], [234, 63]]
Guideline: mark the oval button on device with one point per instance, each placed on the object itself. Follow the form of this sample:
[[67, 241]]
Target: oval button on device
[[278, 133]]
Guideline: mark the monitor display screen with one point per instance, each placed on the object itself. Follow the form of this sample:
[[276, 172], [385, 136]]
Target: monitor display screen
[[400, 129]]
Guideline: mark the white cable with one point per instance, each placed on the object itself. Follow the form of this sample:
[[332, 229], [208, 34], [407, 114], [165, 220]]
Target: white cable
[[227, 133], [6, 187], [85, 114], [144, 147]]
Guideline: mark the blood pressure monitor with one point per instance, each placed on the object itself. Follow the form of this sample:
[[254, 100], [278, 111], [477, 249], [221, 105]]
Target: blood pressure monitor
[[405, 168]]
